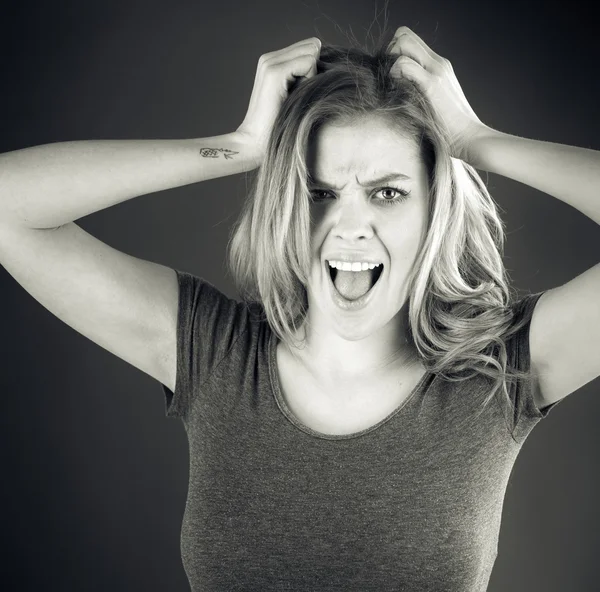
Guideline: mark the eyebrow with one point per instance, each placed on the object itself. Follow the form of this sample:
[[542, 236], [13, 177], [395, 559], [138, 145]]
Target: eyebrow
[[383, 179]]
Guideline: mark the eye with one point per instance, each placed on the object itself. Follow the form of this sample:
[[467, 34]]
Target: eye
[[403, 193], [318, 195]]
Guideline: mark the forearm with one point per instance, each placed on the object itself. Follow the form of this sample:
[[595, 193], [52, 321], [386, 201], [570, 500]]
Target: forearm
[[568, 173], [53, 184]]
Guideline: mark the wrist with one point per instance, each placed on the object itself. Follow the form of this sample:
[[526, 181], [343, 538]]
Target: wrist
[[475, 147], [249, 147]]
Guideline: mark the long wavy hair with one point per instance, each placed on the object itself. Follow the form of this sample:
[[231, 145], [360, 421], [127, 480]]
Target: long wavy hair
[[459, 295]]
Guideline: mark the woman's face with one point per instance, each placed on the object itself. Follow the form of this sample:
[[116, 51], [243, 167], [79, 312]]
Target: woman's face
[[353, 211]]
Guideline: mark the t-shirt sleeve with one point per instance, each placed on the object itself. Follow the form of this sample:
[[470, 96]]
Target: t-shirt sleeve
[[208, 324], [526, 411]]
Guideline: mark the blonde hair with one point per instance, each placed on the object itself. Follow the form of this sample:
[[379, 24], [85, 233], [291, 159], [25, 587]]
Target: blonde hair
[[459, 312]]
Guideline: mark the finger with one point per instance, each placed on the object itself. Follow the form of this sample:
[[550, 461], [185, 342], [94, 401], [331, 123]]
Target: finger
[[405, 47], [313, 70], [309, 40], [406, 31], [304, 66], [409, 43], [406, 67], [301, 66], [291, 54], [408, 46], [296, 48]]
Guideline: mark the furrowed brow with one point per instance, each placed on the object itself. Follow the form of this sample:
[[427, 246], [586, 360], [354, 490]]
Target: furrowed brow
[[372, 183]]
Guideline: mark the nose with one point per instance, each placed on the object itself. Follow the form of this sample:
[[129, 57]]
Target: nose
[[352, 222]]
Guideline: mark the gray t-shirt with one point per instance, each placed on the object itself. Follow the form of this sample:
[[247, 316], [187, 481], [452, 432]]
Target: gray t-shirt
[[413, 503]]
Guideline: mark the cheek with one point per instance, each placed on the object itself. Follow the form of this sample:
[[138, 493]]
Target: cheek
[[403, 248], [316, 224], [403, 236]]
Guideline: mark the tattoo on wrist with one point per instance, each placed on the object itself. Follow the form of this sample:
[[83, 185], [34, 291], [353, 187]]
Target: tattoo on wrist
[[214, 153]]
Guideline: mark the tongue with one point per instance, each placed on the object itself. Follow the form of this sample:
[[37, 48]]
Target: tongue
[[353, 284]]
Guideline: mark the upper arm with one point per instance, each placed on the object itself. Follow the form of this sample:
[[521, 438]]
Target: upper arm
[[124, 304], [564, 337]]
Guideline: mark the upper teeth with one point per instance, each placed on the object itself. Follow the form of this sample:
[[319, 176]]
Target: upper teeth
[[352, 266]]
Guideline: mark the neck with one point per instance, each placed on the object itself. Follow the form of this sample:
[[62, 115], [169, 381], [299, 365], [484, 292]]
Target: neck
[[333, 359]]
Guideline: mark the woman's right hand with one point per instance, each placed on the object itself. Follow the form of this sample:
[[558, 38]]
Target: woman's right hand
[[275, 73]]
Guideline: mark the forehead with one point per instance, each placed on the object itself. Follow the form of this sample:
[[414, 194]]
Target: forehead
[[367, 146]]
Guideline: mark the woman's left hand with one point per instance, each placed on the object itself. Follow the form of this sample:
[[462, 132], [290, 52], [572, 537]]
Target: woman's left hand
[[435, 76]]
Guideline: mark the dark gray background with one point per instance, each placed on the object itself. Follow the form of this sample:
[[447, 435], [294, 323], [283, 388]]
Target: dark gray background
[[94, 476]]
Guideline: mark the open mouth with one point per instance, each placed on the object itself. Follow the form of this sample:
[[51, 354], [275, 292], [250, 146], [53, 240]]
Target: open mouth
[[375, 273]]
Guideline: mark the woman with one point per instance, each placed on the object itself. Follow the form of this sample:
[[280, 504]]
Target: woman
[[354, 421]]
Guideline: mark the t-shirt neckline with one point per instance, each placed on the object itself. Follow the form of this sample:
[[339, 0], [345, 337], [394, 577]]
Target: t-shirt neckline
[[287, 413]]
